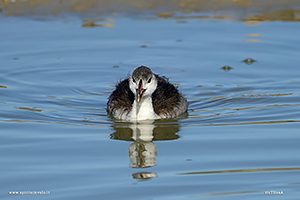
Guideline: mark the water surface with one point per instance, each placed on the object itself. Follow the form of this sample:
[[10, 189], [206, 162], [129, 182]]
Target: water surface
[[240, 140]]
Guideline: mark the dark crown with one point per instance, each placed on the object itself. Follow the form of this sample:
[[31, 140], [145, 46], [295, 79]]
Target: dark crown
[[142, 72]]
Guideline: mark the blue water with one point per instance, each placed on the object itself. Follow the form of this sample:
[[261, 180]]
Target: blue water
[[240, 140]]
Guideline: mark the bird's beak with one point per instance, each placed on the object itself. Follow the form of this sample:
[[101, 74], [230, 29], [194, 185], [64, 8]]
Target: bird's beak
[[140, 91]]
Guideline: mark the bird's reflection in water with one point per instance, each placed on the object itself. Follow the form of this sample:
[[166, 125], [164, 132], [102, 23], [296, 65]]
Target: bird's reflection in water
[[144, 175], [143, 151]]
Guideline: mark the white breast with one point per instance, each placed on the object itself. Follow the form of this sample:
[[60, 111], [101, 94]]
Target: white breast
[[143, 110]]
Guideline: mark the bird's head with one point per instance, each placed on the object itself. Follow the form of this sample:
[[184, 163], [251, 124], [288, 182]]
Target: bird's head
[[142, 82]]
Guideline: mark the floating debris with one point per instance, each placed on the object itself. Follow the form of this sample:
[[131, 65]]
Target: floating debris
[[252, 22], [107, 25], [116, 66], [51, 96], [254, 35], [227, 68], [92, 24], [30, 109], [143, 46], [89, 24], [165, 14], [3, 86], [249, 61], [252, 40]]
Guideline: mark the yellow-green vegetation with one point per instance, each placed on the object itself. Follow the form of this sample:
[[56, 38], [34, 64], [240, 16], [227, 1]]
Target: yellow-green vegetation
[[265, 10]]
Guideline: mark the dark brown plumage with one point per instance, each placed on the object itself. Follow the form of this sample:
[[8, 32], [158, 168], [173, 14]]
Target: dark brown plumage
[[121, 99], [166, 98]]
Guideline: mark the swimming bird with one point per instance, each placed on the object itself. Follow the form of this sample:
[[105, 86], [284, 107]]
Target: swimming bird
[[145, 95]]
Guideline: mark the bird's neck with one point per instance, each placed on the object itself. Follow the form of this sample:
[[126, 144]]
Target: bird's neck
[[143, 110]]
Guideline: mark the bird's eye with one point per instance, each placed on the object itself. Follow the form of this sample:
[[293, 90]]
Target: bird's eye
[[133, 80], [149, 80]]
